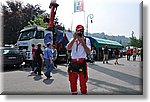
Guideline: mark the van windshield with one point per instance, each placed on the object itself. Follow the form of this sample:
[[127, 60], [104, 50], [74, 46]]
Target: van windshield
[[27, 35]]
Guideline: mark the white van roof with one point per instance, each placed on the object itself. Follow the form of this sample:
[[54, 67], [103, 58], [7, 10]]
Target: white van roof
[[34, 27]]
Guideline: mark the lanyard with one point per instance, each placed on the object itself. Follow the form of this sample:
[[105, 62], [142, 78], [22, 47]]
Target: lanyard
[[77, 45]]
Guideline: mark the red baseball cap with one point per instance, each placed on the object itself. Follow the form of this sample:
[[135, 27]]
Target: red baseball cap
[[79, 27]]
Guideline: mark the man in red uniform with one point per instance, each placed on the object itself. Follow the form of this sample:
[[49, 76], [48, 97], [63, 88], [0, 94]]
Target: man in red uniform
[[128, 53], [134, 54], [80, 47]]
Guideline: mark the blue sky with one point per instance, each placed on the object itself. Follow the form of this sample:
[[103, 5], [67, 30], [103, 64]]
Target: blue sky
[[114, 17]]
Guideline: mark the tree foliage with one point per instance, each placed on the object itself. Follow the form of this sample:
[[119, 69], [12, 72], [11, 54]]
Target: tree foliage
[[38, 20], [136, 42], [15, 17]]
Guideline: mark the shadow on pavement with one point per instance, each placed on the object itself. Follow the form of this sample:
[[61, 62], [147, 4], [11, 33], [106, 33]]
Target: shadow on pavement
[[60, 72], [119, 75], [121, 64], [32, 74], [116, 89], [48, 81], [37, 77]]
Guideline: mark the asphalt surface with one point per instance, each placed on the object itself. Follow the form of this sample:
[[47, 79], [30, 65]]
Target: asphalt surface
[[126, 78]]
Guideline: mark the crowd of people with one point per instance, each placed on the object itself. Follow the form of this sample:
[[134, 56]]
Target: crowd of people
[[78, 49], [39, 59], [135, 52], [117, 53]]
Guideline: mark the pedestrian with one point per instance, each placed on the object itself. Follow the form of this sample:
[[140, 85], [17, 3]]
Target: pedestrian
[[116, 52], [55, 53], [93, 54], [39, 59], [80, 47], [48, 60], [128, 54], [134, 54], [34, 63], [105, 55]]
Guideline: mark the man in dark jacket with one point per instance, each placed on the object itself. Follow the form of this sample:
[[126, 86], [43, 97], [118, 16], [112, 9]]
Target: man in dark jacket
[[39, 59], [105, 53]]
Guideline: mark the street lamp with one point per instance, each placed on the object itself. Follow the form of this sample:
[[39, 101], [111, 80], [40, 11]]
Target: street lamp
[[91, 17]]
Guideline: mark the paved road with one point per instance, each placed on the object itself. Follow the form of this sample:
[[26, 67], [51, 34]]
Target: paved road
[[125, 78]]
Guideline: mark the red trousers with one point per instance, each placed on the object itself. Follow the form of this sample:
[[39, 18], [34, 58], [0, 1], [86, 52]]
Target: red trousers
[[73, 78]]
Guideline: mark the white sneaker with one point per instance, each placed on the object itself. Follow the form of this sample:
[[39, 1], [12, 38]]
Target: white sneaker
[[31, 72]]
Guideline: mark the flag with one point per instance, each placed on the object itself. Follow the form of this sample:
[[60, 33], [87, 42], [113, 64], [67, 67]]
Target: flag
[[78, 5]]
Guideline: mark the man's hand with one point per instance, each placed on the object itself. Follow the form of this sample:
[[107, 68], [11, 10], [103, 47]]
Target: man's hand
[[81, 39], [75, 35], [70, 44]]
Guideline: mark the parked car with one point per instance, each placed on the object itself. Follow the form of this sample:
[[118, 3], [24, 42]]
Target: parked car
[[11, 56]]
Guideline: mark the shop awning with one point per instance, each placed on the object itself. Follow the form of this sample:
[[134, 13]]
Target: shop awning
[[98, 42]]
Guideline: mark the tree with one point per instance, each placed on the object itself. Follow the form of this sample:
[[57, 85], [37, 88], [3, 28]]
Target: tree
[[38, 20], [135, 42], [16, 17]]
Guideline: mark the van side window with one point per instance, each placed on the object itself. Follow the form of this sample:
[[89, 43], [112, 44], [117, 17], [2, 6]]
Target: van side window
[[39, 35]]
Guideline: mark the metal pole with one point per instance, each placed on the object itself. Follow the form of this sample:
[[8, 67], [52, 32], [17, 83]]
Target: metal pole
[[91, 17], [72, 22]]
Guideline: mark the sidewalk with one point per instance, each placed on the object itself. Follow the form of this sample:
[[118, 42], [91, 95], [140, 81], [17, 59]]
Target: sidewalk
[[125, 78]]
